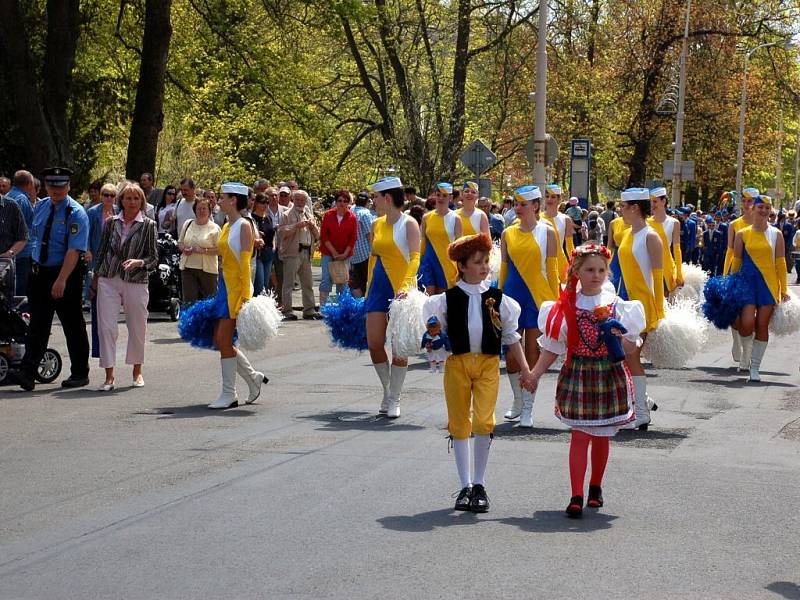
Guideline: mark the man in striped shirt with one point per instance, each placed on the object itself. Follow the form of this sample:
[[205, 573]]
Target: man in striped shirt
[[363, 247]]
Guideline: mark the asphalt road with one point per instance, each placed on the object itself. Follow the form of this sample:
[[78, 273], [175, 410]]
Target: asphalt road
[[145, 494]]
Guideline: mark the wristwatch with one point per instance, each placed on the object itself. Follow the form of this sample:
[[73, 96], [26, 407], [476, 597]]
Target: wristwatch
[[11, 253]]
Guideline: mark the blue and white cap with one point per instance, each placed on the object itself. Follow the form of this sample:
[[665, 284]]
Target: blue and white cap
[[635, 195], [471, 185], [387, 183], [750, 193], [234, 187], [762, 199], [553, 188], [527, 193], [444, 188], [658, 192]]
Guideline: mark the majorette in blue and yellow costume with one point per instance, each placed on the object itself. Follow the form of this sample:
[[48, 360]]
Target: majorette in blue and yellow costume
[[471, 225], [564, 242], [737, 225], [435, 269], [530, 277], [672, 258], [616, 229]]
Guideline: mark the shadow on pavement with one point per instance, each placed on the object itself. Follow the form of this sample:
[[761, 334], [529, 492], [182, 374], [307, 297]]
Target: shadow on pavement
[[175, 340], [731, 372], [428, 521], [787, 589], [555, 521], [741, 382], [196, 411], [358, 421]]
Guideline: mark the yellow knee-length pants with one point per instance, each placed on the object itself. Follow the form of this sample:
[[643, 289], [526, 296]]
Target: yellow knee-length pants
[[471, 381]]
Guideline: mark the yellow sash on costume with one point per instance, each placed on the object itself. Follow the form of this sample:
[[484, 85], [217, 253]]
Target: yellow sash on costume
[[635, 283], [737, 225], [439, 240], [666, 254], [524, 252], [466, 223], [392, 258], [563, 262], [763, 256]]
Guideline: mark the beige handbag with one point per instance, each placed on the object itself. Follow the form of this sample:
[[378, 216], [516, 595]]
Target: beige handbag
[[340, 274]]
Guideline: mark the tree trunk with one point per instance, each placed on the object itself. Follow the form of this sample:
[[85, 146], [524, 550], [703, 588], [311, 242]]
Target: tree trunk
[[148, 112], [454, 139]]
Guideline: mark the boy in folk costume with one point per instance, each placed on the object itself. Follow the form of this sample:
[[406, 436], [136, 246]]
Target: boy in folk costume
[[478, 320]]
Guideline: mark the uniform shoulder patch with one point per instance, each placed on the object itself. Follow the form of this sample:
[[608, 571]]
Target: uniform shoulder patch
[[74, 228]]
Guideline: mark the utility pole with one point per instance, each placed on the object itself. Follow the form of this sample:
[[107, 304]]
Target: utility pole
[[779, 160], [678, 159], [796, 166], [539, 130]]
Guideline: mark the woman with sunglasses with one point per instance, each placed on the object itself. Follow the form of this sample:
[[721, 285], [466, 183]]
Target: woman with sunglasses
[[165, 211], [337, 239], [98, 215], [759, 253], [529, 275]]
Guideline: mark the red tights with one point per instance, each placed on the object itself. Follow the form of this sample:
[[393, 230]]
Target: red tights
[[578, 451]]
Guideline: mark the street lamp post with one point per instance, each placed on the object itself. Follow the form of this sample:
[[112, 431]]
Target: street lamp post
[[539, 132], [742, 107], [676, 163]]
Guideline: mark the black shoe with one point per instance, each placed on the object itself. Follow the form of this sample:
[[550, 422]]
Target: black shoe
[[480, 501], [315, 316], [75, 382], [25, 380], [464, 498], [289, 317], [595, 499], [575, 507]]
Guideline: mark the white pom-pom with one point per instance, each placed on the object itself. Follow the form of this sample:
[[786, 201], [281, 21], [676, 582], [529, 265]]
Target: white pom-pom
[[679, 336], [786, 318], [694, 280], [406, 325], [495, 259], [258, 322]]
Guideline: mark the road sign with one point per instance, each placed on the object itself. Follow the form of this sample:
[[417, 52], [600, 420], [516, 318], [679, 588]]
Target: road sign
[[548, 149], [687, 170], [580, 166], [478, 158]]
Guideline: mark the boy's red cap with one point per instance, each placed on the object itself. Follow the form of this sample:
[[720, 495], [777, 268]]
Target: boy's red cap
[[468, 245]]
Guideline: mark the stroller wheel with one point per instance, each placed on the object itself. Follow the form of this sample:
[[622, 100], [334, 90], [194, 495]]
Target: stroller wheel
[[50, 367], [174, 310], [3, 368]]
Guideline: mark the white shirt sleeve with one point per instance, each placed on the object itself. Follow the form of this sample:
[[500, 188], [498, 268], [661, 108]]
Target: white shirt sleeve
[[509, 315], [631, 314], [436, 306], [558, 346]]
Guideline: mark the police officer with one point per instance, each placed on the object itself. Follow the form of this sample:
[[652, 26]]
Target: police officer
[[60, 237]]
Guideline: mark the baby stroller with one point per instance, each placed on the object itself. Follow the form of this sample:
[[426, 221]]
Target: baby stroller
[[165, 281], [14, 329]]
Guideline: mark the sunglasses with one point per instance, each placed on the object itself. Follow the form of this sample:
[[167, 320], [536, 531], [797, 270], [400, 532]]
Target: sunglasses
[[171, 194], [107, 195]]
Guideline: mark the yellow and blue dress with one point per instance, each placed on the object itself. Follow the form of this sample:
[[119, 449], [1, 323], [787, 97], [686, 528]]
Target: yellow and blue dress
[[617, 228], [765, 273], [527, 274], [638, 278], [234, 286], [672, 264], [737, 225], [392, 265], [470, 225], [435, 268], [565, 244]]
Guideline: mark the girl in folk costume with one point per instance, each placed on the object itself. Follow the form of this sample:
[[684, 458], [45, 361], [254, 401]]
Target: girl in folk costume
[[640, 257], [529, 275], [748, 197], [594, 393], [392, 269], [563, 226], [437, 272], [473, 220], [235, 245], [479, 320], [669, 231], [758, 252]]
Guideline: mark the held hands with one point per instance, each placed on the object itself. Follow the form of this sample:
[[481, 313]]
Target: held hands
[[529, 380], [133, 263]]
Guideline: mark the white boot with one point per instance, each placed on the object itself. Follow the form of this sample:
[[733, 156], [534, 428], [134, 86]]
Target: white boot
[[516, 408], [227, 397], [747, 351], [382, 369], [526, 415], [759, 348], [254, 379], [736, 347], [640, 399], [396, 378]]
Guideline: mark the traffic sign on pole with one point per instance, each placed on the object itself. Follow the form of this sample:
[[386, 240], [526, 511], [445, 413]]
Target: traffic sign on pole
[[478, 158]]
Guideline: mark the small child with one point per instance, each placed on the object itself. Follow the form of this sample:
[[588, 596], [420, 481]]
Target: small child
[[594, 393], [437, 344], [479, 320]]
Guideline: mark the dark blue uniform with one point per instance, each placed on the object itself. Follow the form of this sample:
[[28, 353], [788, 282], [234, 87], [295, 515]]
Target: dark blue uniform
[[714, 244], [57, 228]]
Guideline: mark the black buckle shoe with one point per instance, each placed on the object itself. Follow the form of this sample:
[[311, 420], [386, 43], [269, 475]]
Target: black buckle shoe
[[289, 317], [480, 501], [25, 380], [575, 507], [464, 498], [595, 499], [75, 382]]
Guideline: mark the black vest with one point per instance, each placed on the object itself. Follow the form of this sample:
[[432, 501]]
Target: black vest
[[457, 314]]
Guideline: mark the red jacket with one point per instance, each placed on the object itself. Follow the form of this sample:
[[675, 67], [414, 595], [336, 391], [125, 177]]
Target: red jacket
[[340, 235]]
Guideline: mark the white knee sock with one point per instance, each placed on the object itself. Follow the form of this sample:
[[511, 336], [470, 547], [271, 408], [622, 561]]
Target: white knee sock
[[462, 454], [480, 450]]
